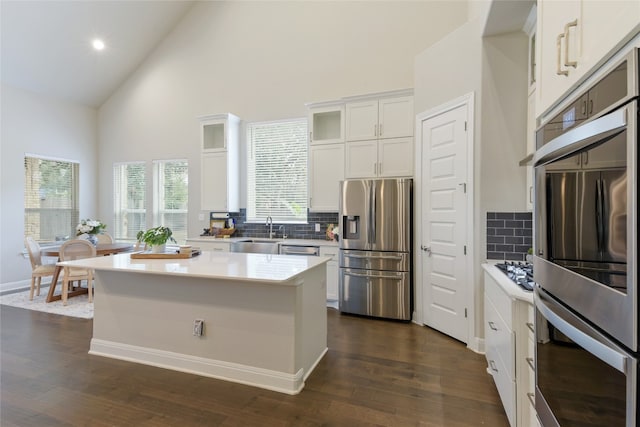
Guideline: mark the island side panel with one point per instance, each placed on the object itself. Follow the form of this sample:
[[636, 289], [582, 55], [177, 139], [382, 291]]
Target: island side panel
[[311, 319], [246, 323]]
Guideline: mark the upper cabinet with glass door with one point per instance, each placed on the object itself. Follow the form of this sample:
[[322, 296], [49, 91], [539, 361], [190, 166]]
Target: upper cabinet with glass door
[[220, 162], [217, 131], [326, 122]]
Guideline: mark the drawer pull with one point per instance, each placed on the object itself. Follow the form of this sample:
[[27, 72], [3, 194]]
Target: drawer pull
[[530, 362], [530, 396], [568, 63], [493, 326], [493, 366], [559, 70], [530, 326]]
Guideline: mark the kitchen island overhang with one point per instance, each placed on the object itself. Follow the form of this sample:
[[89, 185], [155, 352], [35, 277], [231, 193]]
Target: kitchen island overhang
[[265, 319]]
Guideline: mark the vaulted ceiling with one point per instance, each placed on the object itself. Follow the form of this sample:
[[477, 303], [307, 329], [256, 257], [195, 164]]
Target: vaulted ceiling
[[46, 45]]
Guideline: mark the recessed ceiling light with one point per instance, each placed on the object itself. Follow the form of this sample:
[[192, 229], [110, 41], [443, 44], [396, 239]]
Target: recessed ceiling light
[[98, 44]]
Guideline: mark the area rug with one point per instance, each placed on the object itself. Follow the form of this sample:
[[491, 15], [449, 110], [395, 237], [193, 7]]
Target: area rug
[[76, 307]]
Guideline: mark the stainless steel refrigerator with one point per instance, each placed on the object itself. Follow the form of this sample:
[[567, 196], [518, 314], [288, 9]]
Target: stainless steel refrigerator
[[376, 239]]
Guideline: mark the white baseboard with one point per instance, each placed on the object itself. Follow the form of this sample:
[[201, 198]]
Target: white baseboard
[[20, 285], [264, 378], [476, 344]]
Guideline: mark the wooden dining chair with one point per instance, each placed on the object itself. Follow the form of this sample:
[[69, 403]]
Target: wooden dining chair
[[104, 238], [38, 269], [72, 250]]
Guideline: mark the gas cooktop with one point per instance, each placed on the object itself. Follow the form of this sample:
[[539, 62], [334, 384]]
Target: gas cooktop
[[521, 273]]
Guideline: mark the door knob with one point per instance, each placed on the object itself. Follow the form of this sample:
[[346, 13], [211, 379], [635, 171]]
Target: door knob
[[426, 249]]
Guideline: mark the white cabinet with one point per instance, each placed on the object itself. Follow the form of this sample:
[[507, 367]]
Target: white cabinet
[[326, 170], [326, 122], [531, 136], [379, 158], [220, 167], [210, 245], [379, 118], [530, 29], [332, 271], [379, 133], [509, 344], [573, 37]]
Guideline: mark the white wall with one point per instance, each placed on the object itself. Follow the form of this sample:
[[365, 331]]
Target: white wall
[[38, 125], [494, 68], [260, 61]]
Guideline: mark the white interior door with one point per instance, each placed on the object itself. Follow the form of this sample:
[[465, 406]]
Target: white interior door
[[444, 211]]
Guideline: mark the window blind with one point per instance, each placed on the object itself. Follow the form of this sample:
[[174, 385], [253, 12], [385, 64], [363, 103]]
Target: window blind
[[277, 171], [51, 209], [171, 196], [129, 208]]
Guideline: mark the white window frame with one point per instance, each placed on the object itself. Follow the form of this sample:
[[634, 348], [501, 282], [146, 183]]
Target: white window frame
[[75, 201], [253, 216], [158, 199], [117, 205]]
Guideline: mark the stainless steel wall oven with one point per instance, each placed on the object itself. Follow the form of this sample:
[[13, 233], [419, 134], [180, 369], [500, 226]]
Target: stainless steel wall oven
[[585, 263]]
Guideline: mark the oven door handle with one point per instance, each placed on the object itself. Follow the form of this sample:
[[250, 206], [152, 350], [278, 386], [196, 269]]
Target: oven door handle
[[580, 334], [582, 136]]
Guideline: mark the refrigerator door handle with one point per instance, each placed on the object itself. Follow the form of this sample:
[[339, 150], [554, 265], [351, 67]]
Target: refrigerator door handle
[[599, 215], [393, 257], [372, 213], [397, 276]]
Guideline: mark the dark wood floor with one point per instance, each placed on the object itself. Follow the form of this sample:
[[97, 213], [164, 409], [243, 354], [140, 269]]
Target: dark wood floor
[[376, 373]]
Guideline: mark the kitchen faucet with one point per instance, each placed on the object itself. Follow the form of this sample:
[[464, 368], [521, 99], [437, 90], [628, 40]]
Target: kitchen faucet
[[270, 225], [283, 230]]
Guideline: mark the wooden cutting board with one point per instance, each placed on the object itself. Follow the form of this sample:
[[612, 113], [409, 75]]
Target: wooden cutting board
[[164, 255]]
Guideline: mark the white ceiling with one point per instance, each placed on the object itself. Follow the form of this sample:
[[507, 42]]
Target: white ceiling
[[46, 45]]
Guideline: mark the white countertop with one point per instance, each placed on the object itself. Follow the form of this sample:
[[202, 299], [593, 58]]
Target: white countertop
[[298, 242], [276, 269], [513, 290]]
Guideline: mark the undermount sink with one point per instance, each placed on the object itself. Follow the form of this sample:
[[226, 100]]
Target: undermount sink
[[255, 246]]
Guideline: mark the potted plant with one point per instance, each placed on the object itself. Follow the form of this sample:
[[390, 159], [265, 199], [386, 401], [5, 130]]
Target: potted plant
[[156, 238]]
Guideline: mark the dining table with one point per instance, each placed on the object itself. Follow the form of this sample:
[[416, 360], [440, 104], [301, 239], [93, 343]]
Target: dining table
[[102, 249]]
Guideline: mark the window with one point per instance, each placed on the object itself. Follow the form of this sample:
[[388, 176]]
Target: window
[[129, 209], [277, 171], [171, 194], [50, 198]]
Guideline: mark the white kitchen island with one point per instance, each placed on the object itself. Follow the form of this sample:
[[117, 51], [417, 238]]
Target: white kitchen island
[[265, 319]]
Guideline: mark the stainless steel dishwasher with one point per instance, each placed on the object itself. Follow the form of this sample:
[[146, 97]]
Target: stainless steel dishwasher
[[299, 250]]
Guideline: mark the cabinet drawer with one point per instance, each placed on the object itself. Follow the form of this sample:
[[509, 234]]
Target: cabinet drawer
[[499, 336], [504, 383], [500, 300], [329, 251], [210, 246], [530, 324]]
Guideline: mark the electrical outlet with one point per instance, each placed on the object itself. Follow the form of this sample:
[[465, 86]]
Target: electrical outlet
[[317, 228], [201, 217], [198, 327]]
